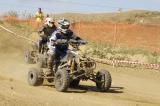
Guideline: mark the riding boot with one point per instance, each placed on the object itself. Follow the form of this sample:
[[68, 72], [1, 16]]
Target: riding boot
[[50, 65], [40, 46], [39, 50]]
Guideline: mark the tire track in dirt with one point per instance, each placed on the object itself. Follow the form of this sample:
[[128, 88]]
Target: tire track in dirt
[[15, 90]]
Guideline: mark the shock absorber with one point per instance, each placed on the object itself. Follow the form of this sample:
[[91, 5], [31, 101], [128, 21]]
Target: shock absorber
[[72, 65]]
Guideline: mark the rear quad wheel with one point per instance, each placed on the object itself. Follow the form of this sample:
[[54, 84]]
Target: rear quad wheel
[[28, 58], [35, 77], [35, 46], [104, 80], [74, 83], [61, 80]]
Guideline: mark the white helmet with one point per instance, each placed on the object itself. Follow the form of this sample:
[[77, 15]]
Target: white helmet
[[49, 22], [63, 25]]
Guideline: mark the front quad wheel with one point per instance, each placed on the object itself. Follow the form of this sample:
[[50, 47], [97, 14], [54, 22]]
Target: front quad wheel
[[104, 80], [34, 77], [61, 80]]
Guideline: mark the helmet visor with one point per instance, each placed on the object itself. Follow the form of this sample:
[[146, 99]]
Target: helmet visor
[[65, 26]]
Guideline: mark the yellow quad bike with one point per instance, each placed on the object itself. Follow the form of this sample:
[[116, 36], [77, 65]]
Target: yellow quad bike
[[70, 70]]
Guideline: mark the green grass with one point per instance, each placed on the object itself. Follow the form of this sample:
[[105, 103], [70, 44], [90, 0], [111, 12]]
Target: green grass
[[9, 43], [1, 22], [99, 50], [107, 51], [135, 16]]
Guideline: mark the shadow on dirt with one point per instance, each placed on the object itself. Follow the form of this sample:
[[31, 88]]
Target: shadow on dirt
[[86, 88]]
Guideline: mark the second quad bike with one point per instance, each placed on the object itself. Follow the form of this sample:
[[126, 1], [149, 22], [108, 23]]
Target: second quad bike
[[70, 69]]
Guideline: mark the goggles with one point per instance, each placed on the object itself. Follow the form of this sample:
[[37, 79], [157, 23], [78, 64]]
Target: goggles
[[65, 26]]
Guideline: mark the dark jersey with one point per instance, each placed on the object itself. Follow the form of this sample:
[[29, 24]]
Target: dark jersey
[[47, 30], [58, 35]]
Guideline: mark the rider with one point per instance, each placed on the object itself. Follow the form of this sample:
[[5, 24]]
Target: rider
[[46, 31], [39, 15], [57, 50]]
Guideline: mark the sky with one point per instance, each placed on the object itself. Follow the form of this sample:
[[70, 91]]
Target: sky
[[78, 6]]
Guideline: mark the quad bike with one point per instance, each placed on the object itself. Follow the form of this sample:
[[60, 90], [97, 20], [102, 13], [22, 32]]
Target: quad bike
[[70, 70], [32, 56]]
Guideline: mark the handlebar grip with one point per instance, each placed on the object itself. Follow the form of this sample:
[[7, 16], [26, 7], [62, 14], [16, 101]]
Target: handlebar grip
[[72, 41], [61, 41], [82, 42]]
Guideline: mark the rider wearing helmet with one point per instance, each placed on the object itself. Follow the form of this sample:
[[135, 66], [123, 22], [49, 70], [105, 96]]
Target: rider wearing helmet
[[46, 31], [57, 50]]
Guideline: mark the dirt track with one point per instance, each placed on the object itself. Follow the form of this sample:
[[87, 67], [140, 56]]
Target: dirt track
[[129, 88]]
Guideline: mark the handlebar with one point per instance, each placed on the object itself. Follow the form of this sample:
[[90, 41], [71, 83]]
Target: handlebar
[[71, 41]]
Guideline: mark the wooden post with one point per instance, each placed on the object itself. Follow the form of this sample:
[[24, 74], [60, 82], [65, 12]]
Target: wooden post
[[115, 35]]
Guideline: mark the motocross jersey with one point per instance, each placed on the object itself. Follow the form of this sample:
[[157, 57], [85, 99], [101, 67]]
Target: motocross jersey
[[58, 35], [46, 30]]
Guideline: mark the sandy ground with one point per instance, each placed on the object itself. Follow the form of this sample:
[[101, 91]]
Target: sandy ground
[[130, 87]]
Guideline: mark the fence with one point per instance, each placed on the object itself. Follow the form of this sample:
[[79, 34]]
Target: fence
[[130, 64]]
